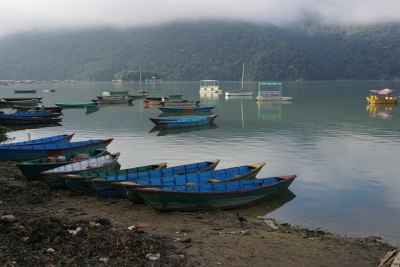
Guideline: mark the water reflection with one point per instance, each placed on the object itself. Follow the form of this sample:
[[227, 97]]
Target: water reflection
[[33, 126], [271, 110], [382, 111], [209, 99], [90, 110], [267, 206], [163, 132]]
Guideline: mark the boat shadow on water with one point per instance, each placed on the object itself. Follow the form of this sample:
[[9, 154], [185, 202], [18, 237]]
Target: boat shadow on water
[[163, 132], [264, 207]]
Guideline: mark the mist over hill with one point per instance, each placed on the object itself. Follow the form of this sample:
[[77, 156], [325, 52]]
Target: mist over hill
[[189, 51]]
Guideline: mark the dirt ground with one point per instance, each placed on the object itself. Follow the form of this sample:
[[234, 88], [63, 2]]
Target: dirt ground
[[47, 227]]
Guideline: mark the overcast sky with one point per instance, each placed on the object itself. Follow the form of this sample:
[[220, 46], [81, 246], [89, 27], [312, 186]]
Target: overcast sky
[[25, 15]]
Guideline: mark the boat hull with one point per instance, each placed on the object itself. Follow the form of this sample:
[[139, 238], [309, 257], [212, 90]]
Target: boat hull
[[55, 139], [381, 100], [181, 122], [215, 176], [101, 163], [187, 198], [186, 110]]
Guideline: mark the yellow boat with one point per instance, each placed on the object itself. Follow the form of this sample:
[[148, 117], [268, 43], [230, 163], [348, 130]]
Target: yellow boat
[[375, 99]]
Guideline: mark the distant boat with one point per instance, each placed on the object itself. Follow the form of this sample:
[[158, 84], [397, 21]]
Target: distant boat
[[46, 108], [21, 98], [141, 91], [178, 103], [381, 97], [187, 110], [271, 95], [25, 91], [183, 121], [115, 99], [115, 93], [26, 103], [77, 104], [209, 86], [239, 92], [222, 195]]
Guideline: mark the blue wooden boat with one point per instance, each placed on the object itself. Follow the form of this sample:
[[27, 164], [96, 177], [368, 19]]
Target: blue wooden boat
[[26, 152], [183, 121], [102, 163], [82, 182], [229, 174], [60, 138], [208, 196], [32, 113], [104, 185], [187, 110], [32, 168]]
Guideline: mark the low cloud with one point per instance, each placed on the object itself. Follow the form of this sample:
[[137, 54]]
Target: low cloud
[[22, 15]]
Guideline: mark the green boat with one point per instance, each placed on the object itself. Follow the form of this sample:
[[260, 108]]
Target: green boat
[[102, 163], [78, 104], [209, 196], [32, 168], [82, 182]]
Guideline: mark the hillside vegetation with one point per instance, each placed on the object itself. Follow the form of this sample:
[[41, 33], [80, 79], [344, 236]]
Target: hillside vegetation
[[207, 50]]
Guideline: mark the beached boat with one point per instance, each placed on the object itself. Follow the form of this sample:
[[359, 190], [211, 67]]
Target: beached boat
[[214, 176], [77, 104], [271, 95], [381, 97], [82, 182], [32, 168], [25, 91], [102, 163], [209, 87], [240, 92], [208, 196], [183, 121], [104, 186], [26, 152], [186, 110], [55, 139], [117, 99]]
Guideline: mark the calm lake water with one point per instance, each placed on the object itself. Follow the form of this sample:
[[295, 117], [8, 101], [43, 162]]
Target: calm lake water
[[345, 155]]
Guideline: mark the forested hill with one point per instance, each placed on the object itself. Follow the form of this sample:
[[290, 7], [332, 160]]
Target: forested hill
[[192, 51]]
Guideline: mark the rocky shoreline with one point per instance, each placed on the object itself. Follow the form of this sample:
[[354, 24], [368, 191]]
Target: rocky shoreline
[[45, 227]]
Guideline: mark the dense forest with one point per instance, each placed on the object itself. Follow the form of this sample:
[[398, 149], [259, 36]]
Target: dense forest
[[190, 51]]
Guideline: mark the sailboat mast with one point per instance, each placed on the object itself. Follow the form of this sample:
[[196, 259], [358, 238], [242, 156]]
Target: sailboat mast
[[140, 78], [241, 88]]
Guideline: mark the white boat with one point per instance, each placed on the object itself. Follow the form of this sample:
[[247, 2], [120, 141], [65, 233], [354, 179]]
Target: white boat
[[239, 92], [209, 87], [141, 91], [271, 95]]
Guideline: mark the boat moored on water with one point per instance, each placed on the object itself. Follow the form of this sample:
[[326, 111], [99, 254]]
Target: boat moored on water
[[271, 95], [381, 97], [209, 87], [183, 121]]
